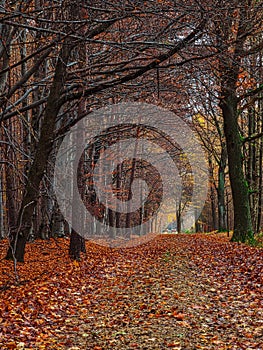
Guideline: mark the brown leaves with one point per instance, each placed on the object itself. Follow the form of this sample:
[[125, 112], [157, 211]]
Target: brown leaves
[[178, 292], [178, 316]]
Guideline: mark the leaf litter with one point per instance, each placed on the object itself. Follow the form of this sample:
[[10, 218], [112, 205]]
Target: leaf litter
[[175, 292]]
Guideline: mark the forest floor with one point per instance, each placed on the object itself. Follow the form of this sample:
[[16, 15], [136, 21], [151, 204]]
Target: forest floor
[[176, 292]]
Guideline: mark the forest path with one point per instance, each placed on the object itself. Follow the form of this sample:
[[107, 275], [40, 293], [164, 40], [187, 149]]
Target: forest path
[[175, 292]]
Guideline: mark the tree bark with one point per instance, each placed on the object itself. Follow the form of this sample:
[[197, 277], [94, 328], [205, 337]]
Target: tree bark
[[77, 242], [212, 195], [242, 217], [45, 144], [230, 62], [222, 226], [77, 246]]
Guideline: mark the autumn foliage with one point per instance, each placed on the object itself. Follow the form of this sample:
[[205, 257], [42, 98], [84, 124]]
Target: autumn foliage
[[174, 292]]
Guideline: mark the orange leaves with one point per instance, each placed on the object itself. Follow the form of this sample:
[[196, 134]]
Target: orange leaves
[[11, 345], [178, 316], [175, 346], [245, 82], [206, 294], [76, 263]]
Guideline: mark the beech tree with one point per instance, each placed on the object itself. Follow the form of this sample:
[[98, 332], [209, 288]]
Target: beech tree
[[121, 47], [74, 56], [243, 20], [230, 32]]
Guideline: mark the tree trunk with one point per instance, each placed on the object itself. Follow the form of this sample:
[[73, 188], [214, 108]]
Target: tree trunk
[[230, 63], [57, 222], [77, 242], [242, 217], [260, 162], [45, 144], [179, 217], [77, 246], [212, 194], [222, 226]]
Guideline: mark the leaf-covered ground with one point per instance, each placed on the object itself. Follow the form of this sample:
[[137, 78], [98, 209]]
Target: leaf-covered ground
[[175, 292]]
